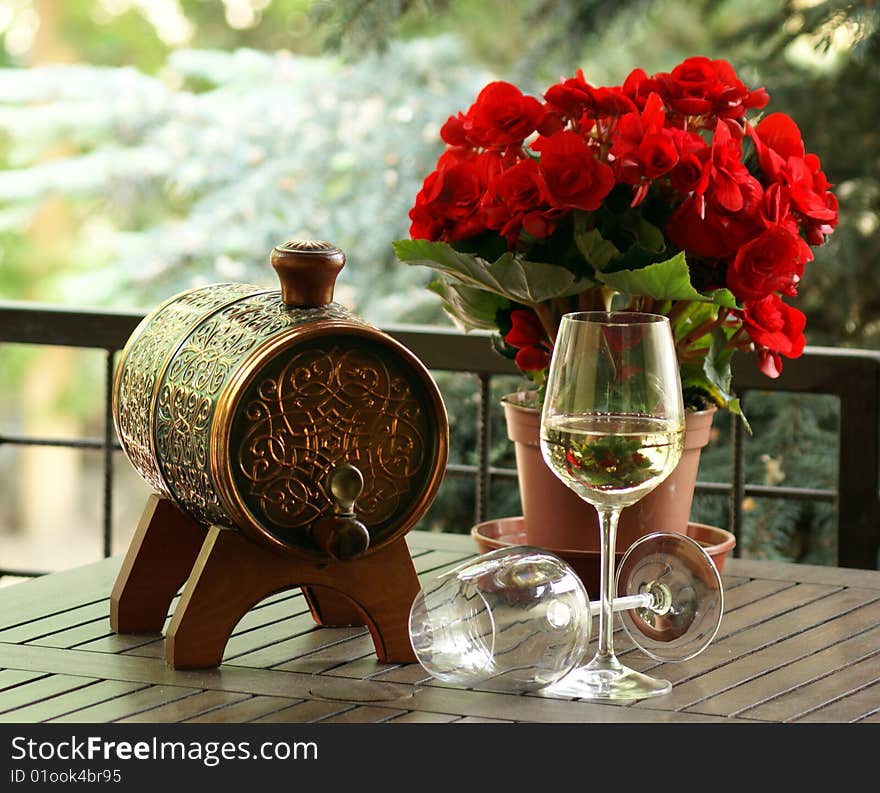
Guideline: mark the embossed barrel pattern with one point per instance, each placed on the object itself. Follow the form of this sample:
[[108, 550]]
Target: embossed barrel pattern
[[238, 406]]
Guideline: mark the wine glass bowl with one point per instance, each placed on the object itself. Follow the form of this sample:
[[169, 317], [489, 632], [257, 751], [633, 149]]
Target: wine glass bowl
[[516, 619], [612, 459], [612, 427]]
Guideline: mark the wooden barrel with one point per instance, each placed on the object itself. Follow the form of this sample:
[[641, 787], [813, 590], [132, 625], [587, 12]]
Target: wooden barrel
[[257, 409]]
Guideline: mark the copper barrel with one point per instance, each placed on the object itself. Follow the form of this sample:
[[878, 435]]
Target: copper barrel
[[241, 404]]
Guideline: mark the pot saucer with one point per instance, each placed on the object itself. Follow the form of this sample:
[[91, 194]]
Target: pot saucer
[[504, 532]]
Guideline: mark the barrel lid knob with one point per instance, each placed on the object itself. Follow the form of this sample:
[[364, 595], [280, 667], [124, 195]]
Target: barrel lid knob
[[307, 270]]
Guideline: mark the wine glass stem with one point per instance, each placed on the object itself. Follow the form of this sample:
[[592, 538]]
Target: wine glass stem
[[608, 529], [645, 601]]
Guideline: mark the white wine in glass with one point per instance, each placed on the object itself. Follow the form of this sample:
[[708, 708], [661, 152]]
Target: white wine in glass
[[614, 459], [612, 430]]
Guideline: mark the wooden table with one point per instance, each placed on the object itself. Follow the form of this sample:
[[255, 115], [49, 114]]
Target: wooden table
[[797, 643]]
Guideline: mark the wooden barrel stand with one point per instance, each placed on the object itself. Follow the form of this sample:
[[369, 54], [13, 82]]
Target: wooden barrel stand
[[224, 574]]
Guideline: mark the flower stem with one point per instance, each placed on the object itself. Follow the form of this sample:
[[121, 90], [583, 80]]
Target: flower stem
[[691, 357], [697, 333], [591, 300], [736, 340], [676, 311]]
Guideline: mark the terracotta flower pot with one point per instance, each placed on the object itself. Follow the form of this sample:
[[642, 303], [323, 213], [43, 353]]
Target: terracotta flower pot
[[554, 517]]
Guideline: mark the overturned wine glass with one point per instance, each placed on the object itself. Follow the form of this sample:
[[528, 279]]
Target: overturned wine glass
[[519, 618]]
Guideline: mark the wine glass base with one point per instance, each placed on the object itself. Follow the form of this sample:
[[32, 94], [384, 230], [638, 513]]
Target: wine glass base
[[616, 685], [676, 566]]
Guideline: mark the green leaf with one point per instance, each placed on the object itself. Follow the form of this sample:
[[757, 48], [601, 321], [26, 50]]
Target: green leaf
[[636, 257], [716, 364], [595, 249], [648, 245], [693, 377], [714, 377], [593, 246], [470, 308], [669, 280], [722, 297], [735, 407], [650, 236], [693, 315], [510, 275], [502, 347]]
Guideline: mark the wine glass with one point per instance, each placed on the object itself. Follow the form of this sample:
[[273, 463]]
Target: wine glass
[[519, 618], [612, 429], [516, 619]]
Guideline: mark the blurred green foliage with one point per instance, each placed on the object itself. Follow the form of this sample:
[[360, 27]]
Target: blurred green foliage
[[173, 185]]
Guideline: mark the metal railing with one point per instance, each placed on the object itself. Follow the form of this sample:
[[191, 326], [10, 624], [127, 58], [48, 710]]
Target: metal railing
[[853, 376]]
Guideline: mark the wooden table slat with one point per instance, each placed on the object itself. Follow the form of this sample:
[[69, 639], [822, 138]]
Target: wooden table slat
[[248, 635], [79, 634], [807, 573], [289, 648], [834, 645], [829, 685], [61, 621], [40, 689], [250, 643], [126, 705], [96, 634], [114, 643], [752, 591], [9, 678], [422, 717], [185, 707], [428, 565], [773, 606], [364, 714], [97, 692], [331, 657], [861, 706], [42, 597], [410, 674], [304, 712], [152, 649], [539, 708], [792, 668], [244, 710], [874, 716], [366, 666], [230, 678]]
